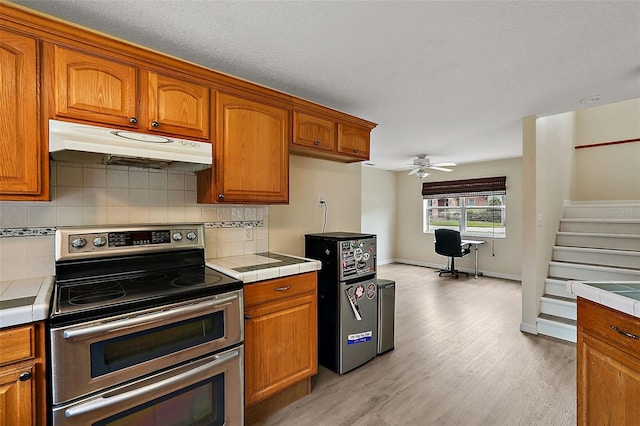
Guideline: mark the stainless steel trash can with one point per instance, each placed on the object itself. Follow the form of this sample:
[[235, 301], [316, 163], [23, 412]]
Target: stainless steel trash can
[[386, 315]]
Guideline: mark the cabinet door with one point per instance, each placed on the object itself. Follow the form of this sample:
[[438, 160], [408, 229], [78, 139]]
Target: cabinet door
[[91, 88], [178, 107], [280, 346], [17, 395], [353, 141], [251, 149], [21, 153], [314, 132], [608, 384]]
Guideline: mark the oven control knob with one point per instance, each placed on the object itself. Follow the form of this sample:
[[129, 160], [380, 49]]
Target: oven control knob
[[78, 242], [191, 236], [99, 241], [177, 236]]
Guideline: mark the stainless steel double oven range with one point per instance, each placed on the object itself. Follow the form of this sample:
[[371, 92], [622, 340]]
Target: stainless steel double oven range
[[142, 332]]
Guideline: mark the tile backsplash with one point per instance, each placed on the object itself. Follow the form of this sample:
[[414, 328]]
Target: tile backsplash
[[93, 194]]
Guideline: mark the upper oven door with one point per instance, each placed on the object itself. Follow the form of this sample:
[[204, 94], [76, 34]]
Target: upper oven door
[[100, 354]]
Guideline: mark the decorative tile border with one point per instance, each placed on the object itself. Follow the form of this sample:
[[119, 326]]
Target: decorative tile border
[[234, 224], [51, 230], [27, 232]]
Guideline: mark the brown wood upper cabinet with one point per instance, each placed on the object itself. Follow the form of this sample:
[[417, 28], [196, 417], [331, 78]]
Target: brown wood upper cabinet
[[313, 132], [251, 153], [23, 171], [353, 141], [104, 90]]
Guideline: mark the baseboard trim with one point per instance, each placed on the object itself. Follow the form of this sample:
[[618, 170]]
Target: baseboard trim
[[469, 271], [529, 328]]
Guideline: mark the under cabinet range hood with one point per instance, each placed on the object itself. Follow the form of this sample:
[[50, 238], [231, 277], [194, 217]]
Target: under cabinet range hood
[[91, 144]]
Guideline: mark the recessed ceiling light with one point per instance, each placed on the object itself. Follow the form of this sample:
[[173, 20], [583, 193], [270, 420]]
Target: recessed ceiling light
[[590, 99]]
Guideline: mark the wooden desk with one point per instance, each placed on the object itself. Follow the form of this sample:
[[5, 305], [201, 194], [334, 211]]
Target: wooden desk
[[475, 244]]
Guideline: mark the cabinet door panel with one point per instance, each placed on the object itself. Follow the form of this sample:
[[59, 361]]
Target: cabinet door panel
[[608, 384], [353, 141], [251, 146], [20, 144], [178, 107], [313, 132], [91, 88], [280, 346], [17, 397]]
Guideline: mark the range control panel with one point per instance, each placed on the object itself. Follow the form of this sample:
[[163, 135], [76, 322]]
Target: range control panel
[[357, 258], [96, 242]]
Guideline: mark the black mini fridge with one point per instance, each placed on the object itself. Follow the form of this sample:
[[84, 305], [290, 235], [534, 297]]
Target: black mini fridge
[[347, 298]]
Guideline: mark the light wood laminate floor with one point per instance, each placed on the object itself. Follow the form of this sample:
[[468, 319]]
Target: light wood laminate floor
[[460, 359]]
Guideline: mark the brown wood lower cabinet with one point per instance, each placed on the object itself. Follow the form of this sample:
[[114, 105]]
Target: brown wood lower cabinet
[[608, 366], [280, 335], [22, 375]]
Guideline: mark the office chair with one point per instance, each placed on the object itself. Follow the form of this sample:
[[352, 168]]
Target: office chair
[[448, 243]]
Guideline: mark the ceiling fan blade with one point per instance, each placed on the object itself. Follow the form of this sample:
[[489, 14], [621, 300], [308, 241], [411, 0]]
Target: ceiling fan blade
[[442, 169], [414, 171], [447, 164]]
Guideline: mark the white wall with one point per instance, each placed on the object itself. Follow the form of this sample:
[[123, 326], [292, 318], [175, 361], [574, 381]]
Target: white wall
[[549, 178], [338, 183], [499, 257], [610, 172], [379, 210]]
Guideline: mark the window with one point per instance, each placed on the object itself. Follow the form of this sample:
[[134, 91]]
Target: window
[[475, 207]]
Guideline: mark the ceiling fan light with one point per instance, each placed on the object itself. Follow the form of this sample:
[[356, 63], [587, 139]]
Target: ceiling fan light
[[422, 174]]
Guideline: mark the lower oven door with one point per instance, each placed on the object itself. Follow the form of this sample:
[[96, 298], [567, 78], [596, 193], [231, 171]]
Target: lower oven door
[[208, 391], [97, 355]]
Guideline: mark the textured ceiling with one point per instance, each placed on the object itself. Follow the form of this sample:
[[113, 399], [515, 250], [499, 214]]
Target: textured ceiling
[[451, 79]]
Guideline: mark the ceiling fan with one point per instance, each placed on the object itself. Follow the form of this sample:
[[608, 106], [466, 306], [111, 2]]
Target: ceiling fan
[[422, 163]]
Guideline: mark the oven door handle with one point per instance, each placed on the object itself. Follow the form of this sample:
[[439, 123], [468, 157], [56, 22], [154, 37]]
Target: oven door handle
[[146, 319], [153, 390]]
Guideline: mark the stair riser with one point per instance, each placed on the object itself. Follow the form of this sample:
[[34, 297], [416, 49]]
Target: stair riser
[[559, 331], [570, 272], [555, 288], [630, 211], [552, 307], [599, 242], [623, 260], [601, 227]]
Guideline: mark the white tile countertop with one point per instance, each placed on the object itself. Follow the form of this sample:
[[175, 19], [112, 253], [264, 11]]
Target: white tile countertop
[[262, 266], [25, 301], [623, 296]]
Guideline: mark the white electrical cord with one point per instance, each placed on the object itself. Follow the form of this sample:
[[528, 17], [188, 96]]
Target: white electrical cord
[[326, 211]]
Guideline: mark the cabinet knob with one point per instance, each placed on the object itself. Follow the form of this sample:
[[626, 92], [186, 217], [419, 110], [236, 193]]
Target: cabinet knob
[[248, 317], [316, 143], [25, 376], [357, 151], [133, 120], [155, 124], [220, 196]]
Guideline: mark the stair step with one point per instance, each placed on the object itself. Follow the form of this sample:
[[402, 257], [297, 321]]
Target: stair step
[[604, 226], [560, 328], [604, 210], [602, 257], [559, 306], [598, 240], [557, 287], [578, 271]]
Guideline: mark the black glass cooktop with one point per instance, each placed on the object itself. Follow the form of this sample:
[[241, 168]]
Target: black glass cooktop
[[85, 296]]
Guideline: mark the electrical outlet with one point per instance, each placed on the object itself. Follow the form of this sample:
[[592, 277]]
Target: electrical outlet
[[248, 233], [320, 200]]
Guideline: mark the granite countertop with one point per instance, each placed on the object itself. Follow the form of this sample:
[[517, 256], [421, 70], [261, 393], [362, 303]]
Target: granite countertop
[[25, 301], [262, 266], [623, 296]]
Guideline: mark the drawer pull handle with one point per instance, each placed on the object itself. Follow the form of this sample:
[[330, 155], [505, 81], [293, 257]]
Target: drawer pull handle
[[248, 317], [625, 333], [285, 288], [24, 376]]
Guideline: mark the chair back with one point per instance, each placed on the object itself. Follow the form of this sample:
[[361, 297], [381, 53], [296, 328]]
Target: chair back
[[448, 242]]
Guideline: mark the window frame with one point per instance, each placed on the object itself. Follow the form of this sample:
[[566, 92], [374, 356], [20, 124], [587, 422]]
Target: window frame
[[463, 209]]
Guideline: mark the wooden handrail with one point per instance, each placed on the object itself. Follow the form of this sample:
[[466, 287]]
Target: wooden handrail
[[608, 143]]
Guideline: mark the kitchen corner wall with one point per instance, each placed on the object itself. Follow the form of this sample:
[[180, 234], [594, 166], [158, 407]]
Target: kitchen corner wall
[[92, 194]]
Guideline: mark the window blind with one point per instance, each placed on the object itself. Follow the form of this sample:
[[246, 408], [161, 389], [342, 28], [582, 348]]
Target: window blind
[[465, 187]]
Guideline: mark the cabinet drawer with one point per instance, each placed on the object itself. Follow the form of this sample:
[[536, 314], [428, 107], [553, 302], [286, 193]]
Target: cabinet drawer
[[17, 344], [279, 288], [618, 329]]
